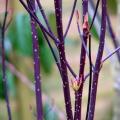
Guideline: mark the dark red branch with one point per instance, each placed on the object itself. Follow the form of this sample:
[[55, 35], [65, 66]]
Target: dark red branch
[[61, 48], [78, 94], [38, 91], [98, 63]]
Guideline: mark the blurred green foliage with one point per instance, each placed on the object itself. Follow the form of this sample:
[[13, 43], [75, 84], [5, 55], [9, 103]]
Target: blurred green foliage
[[2, 94], [19, 42], [52, 22], [112, 6], [19, 34], [50, 112], [93, 30], [10, 83]]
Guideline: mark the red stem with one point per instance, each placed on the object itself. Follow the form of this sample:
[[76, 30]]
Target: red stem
[[78, 94], [98, 63], [61, 48], [38, 91]]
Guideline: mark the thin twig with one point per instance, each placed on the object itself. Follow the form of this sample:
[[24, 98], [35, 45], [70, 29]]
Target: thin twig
[[70, 19], [56, 40], [105, 59], [44, 16], [81, 37], [39, 23], [53, 53], [36, 57], [56, 59], [98, 63], [3, 62], [90, 78], [113, 37], [98, 1], [78, 94], [111, 54], [61, 49]]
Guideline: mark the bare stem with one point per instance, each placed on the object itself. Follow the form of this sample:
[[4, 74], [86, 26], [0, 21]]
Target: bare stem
[[81, 37], [70, 20], [44, 16], [38, 91], [98, 1], [90, 78], [112, 35], [98, 63], [39, 23], [56, 42], [78, 94], [61, 48], [56, 59], [111, 54]]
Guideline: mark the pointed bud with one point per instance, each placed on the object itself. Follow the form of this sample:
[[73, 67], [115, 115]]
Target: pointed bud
[[77, 16]]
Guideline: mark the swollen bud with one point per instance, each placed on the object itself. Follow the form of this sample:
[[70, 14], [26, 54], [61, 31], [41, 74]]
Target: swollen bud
[[85, 22], [76, 83]]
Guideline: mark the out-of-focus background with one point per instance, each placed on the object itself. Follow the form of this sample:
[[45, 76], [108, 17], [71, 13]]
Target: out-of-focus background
[[20, 65]]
